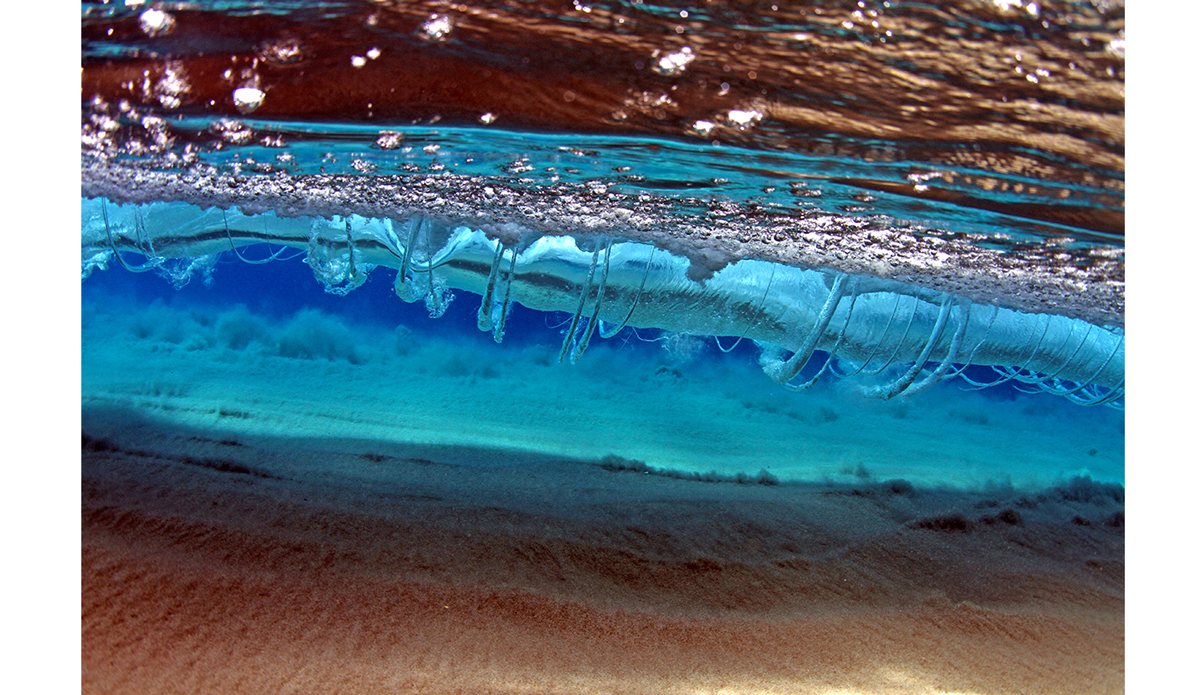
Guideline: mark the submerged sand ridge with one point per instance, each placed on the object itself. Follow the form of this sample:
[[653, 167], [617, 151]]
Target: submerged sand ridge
[[673, 406], [214, 561]]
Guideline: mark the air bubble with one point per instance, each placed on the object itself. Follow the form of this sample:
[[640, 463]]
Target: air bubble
[[1116, 48], [248, 99], [744, 119], [155, 22]]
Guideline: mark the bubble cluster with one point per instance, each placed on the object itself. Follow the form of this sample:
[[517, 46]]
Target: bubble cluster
[[232, 131], [389, 139], [436, 28], [172, 87], [673, 64], [283, 51]]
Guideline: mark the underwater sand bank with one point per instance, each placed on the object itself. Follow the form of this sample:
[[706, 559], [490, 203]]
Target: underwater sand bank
[[670, 404], [216, 561]]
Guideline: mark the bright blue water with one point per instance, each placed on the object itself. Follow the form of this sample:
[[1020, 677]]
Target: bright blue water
[[948, 435], [784, 168], [279, 290]]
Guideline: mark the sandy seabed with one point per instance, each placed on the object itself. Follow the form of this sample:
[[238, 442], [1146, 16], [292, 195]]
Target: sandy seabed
[[214, 562], [241, 534]]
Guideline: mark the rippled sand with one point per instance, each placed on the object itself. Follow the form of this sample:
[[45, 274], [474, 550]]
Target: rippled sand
[[216, 562]]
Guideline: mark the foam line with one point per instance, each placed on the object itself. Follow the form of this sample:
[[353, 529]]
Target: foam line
[[850, 244]]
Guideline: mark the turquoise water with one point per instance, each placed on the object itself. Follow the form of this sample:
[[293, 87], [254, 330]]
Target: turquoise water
[[269, 340], [884, 282]]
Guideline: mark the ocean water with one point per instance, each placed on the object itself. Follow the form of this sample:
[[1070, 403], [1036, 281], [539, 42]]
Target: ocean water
[[736, 318]]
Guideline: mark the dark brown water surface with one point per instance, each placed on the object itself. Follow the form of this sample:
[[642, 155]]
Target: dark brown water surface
[[1002, 106]]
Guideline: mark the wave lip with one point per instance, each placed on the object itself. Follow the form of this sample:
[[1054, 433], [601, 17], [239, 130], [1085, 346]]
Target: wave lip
[[847, 243], [610, 282]]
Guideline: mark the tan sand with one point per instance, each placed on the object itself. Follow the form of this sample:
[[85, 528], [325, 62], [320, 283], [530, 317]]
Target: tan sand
[[219, 562]]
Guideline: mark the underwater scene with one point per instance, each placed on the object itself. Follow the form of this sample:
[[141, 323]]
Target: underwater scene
[[506, 346]]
